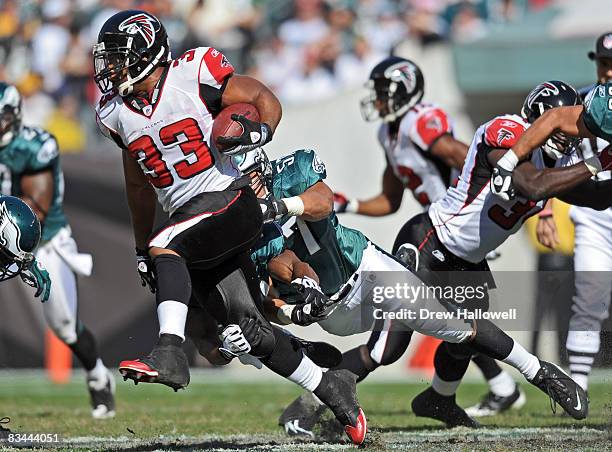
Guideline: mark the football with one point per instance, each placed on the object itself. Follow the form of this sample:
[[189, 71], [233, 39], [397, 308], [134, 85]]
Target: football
[[225, 126]]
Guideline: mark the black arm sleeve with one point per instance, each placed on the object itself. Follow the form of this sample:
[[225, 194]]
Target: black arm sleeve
[[211, 96], [594, 194]]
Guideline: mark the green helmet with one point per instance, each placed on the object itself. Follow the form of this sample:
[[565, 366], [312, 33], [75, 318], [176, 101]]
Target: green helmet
[[19, 236], [10, 113]]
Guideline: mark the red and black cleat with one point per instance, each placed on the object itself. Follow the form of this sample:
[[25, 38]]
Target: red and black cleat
[[338, 391], [166, 364], [357, 432]]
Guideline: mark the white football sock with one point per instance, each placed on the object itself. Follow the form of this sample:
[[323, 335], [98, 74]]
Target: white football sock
[[523, 361], [308, 375], [502, 385], [97, 377], [445, 388], [172, 316]]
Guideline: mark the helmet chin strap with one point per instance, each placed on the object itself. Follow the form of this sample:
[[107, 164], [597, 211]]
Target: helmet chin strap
[[126, 88]]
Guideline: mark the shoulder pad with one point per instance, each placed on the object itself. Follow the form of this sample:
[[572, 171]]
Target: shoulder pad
[[214, 67], [504, 131]]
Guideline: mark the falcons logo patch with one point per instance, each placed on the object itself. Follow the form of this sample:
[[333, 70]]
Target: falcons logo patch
[[504, 134], [140, 23]]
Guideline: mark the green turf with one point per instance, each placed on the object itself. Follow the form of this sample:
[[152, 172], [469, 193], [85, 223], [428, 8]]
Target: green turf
[[151, 412]]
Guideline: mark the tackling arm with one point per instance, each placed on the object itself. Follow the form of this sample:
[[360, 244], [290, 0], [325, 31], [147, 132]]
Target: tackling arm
[[37, 192], [388, 201], [568, 120], [141, 201], [318, 202]]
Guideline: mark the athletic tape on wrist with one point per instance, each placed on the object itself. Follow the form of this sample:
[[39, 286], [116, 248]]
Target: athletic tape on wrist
[[508, 161], [295, 205]]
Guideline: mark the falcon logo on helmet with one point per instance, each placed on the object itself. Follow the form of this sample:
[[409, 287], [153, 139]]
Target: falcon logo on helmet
[[396, 85], [140, 23], [545, 96]]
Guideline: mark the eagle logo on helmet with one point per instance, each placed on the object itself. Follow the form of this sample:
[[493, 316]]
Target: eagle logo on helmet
[[140, 23], [9, 231]]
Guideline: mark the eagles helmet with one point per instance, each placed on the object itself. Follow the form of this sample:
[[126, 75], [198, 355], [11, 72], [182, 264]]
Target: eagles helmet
[[131, 45], [256, 162], [19, 236], [549, 95], [396, 85], [10, 113]]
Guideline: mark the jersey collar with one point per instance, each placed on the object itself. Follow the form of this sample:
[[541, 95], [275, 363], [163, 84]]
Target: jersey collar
[[146, 106]]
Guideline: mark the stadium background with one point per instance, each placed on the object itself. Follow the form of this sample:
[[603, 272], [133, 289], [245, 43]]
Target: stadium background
[[479, 58]]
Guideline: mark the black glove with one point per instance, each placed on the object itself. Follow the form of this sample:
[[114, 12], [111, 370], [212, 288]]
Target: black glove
[[272, 209], [146, 270], [254, 135], [312, 303], [501, 183]]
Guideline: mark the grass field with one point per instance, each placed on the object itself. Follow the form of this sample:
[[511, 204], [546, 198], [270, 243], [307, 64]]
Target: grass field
[[228, 416]]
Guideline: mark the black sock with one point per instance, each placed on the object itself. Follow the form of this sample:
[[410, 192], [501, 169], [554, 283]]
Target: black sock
[[491, 341], [452, 360], [85, 348], [287, 354], [488, 366], [173, 280], [353, 360], [169, 339]]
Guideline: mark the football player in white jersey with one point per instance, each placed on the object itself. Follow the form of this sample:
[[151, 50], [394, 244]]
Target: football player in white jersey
[[460, 229], [592, 251], [422, 155], [160, 112], [417, 138]]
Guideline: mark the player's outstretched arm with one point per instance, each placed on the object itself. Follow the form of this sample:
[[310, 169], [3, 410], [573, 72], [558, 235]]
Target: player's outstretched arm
[[287, 266], [594, 194], [141, 201], [536, 185], [567, 120], [386, 203]]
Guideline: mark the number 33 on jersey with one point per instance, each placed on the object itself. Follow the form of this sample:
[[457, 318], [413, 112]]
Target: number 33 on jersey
[[169, 133]]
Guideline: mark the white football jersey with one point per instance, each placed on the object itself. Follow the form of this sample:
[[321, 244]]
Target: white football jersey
[[170, 136], [600, 219], [407, 153], [470, 220]]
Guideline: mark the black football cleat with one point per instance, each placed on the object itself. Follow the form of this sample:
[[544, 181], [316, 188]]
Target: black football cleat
[[442, 408], [300, 417], [562, 390], [338, 391], [166, 364], [102, 397], [492, 404]]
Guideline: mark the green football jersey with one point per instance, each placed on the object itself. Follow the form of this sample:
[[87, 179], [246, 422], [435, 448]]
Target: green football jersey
[[32, 151], [598, 111], [332, 250]]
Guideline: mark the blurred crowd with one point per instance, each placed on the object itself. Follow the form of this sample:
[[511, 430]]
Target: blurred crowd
[[305, 50]]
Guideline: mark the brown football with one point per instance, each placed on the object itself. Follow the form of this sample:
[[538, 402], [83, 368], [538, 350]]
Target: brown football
[[225, 126]]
